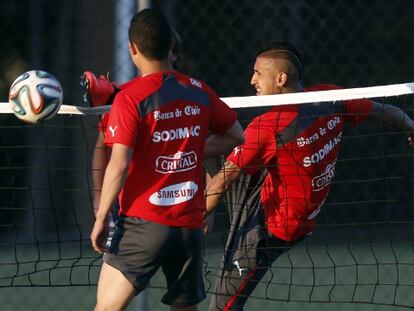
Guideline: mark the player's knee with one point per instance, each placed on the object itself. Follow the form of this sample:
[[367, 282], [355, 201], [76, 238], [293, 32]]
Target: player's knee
[[111, 301]]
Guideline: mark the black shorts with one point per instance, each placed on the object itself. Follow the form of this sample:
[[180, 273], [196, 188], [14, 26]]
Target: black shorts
[[250, 249], [139, 247], [253, 251]]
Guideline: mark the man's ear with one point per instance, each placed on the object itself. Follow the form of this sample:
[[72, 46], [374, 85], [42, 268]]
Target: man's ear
[[281, 79], [133, 50]]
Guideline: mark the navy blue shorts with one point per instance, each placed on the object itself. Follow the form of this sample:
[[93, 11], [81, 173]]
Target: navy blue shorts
[[140, 247]]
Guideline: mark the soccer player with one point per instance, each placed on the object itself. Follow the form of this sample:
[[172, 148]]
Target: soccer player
[[99, 91], [290, 152], [158, 129]]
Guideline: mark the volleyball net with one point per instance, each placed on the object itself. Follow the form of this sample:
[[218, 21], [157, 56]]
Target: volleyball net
[[361, 251]]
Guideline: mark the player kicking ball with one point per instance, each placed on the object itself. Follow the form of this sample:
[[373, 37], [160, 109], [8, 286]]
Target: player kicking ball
[[290, 152]]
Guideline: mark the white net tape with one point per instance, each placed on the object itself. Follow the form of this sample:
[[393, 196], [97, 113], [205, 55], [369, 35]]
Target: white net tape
[[270, 100]]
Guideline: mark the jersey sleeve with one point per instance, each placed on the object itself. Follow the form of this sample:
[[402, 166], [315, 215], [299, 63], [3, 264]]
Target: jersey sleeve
[[123, 122], [222, 116], [258, 150], [356, 111]]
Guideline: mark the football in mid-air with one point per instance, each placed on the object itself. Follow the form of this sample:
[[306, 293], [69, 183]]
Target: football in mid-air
[[35, 96]]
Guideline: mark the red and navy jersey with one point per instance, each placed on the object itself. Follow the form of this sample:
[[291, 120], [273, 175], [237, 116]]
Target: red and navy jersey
[[298, 145], [165, 118], [103, 123]]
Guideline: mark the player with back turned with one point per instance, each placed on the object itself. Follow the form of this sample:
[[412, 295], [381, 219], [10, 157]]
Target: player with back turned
[[290, 152], [158, 128], [100, 91]]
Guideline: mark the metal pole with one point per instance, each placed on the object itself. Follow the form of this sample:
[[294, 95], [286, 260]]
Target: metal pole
[[124, 69], [143, 4], [35, 34]]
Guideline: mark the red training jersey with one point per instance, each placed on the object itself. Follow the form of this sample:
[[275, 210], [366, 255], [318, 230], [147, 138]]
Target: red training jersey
[[298, 145], [103, 123], [165, 118]]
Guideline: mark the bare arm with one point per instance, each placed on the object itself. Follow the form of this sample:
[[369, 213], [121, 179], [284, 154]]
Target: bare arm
[[99, 162], [395, 118], [218, 144], [208, 219], [219, 185], [115, 176]]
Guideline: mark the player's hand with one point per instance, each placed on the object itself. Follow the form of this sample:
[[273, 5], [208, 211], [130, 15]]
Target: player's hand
[[208, 223], [99, 235]]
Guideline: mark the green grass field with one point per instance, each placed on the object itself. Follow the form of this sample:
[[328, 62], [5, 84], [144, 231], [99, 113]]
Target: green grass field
[[326, 272]]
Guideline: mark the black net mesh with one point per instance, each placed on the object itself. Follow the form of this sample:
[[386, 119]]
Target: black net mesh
[[45, 205]]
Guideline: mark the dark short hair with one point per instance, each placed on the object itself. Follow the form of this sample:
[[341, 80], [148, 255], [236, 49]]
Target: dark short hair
[[151, 32], [288, 51]]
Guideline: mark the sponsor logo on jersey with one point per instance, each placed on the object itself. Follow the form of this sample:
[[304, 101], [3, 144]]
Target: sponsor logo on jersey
[[179, 162], [158, 115], [332, 123], [325, 179], [112, 129], [195, 83], [174, 194], [192, 110], [302, 141], [176, 134], [323, 152]]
